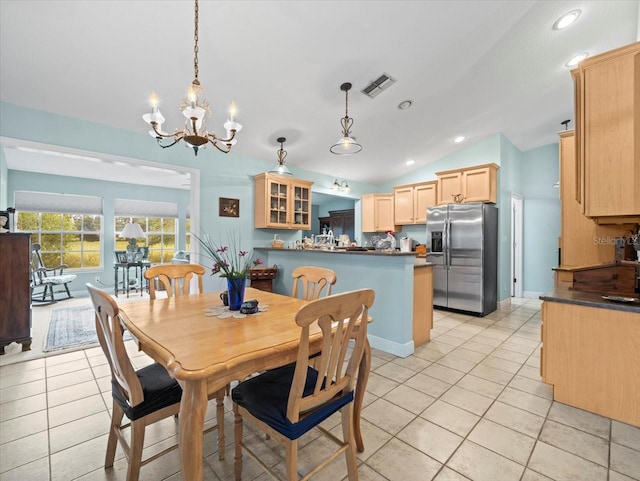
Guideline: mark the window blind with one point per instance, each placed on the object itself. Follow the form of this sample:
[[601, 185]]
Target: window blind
[[144, 208], [57, 203]]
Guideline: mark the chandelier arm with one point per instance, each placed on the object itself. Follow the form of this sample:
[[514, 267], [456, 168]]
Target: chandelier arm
[[176, 140], [177, 134], [215, 137], [215, 144]]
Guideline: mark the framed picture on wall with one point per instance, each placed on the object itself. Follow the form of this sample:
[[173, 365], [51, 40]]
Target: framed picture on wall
[[229, 207]]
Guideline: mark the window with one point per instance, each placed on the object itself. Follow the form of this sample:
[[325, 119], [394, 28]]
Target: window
[[67, 227], [160, 236], [71, 239]]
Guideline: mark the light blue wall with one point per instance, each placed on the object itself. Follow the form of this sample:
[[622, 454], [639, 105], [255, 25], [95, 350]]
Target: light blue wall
[[541, 217], [4, 174]]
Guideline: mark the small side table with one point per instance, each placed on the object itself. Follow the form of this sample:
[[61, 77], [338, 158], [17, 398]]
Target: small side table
[[139, 267]]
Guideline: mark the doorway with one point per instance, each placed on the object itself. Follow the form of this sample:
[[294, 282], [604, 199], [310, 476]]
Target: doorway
[[516, 245]]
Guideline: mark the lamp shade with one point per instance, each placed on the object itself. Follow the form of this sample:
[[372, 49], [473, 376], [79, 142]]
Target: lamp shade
[[132, 231]]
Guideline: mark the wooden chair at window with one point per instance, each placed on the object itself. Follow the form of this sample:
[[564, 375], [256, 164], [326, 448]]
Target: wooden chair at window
[[46, 278], [309, 282], [290, 401], [145, 396], [175, 278]]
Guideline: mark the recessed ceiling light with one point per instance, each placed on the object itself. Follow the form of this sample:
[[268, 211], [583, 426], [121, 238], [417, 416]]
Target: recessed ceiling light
[[576, 59], [567, 19], [405, 104], [459, 139], [410, 162]]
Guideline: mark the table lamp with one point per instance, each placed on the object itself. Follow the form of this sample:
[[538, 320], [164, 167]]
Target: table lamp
[[132, 231]]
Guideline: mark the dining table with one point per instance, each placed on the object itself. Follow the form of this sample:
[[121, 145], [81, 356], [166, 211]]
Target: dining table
[[205, 351]]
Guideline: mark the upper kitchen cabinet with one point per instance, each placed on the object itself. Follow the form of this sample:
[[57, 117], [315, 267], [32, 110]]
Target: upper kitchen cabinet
[[378, 213], [412, 200], [608, 125], [282, 202], [471, 184]]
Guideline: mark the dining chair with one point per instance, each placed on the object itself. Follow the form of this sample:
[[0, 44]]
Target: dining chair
[[175, 278], [144, 396], [288, 402], [310, 281]]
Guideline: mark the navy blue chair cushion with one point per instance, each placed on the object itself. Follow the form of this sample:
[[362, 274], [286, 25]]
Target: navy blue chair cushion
[[266, 396], [159, 390]]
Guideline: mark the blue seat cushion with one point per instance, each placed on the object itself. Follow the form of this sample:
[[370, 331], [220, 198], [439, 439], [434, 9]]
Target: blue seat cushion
[[158, 388], [266, 397]]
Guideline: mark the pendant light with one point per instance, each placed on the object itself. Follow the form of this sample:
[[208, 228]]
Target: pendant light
[[281, 169], [346, 145]]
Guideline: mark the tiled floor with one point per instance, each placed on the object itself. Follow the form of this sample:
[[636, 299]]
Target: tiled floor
[[467, 405]]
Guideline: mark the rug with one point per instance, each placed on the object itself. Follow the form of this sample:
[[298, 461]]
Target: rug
[[71, 327]]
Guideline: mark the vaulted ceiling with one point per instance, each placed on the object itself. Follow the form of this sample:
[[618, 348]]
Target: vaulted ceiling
[[471, 68]]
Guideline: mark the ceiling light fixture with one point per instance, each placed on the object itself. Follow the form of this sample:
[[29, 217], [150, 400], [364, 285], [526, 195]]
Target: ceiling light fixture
[[281, 169], [195, 133], [410, 162], [346, 145], [576, 59], [567, 19], [405, 104], [459, 139]]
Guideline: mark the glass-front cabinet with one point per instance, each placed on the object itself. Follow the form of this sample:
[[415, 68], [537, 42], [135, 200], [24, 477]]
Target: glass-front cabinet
[[282, 202]]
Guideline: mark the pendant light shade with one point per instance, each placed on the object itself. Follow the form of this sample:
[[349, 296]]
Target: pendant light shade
[[346, 145], [281, 169]]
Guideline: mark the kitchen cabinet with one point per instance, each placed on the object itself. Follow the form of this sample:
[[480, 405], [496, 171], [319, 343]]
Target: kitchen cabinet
[[342, 222], [422, 304], [608, 124], [378, 213], [15, 285], [471, 184], [282, 202], [411, 202]]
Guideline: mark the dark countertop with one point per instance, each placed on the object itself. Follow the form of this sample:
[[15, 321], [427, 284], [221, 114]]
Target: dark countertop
[[341, 251], [589, 299]]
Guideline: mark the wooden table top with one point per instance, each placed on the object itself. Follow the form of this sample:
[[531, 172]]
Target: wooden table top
[[177, 333]]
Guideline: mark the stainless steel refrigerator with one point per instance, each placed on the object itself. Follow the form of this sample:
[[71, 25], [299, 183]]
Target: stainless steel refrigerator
[[463, 246]]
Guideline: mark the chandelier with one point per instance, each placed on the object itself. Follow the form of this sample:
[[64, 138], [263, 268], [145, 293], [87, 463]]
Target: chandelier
[[281, 169], [346, 145], [194, 134]]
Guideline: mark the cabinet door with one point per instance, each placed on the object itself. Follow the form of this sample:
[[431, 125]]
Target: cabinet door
[[479, 185], [423, 197], [611, 135], [368, 213], [449, 185], [384, 217], [301, 207], [278, 196], [404, 205]]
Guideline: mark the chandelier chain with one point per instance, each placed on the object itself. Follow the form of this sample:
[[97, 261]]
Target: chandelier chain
[[195, 39]]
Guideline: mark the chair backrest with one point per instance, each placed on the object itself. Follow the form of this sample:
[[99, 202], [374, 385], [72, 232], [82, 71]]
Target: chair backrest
[[341, 317], [312, 280], [110, 331], [176, 278]]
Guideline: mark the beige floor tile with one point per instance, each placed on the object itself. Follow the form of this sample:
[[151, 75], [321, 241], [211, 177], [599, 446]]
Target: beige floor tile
[[625, 435], [532, 386], [22, 407], [67, 367], [428, 385], [480, 464], [467, 400], [468, 354], [613, 476], [448, 474], [456, 363], [577, 442], [36, 470], [22, 391], [511, 417], [380, 385], [409, 399], [395, 372], [23, 426], [397, 461], [504, 441], [69, 379], [73, 410], [510, 355], [523, 400], [451, 340], [20, 367], [502, 364], [79, 431], [365, 473], [22, 377], [23, 451], [450, 417], [373, 439], [477, 347], [431, 439], [72, 393], [533, 476], [492, 374], [461, 333], [412, 362], [563, 466], [443, 373], [78, 460], [625, 460], [64, 358], [583, 420], [480, 386], [387, 416], [382, 355]]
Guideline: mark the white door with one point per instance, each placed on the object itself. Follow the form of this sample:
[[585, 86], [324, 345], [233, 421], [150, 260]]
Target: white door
[[516, 245]]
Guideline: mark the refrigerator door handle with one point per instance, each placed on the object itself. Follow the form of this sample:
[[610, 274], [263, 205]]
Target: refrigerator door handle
[[447, 238]]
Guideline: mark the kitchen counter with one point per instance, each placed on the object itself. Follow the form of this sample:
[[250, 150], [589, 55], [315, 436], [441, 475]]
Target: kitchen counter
[[588, 299], [403, 309]]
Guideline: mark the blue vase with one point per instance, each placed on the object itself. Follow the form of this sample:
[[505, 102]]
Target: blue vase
[[236, 292]]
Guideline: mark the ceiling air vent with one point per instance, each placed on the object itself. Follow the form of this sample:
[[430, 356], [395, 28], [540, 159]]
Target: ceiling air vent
[[378, 85]]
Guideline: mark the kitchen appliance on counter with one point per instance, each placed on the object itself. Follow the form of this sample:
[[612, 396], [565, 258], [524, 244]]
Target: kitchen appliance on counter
[[406, 244], [462, 240]]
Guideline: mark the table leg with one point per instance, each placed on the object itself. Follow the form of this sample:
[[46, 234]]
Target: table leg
[[193, 408], [361, 387]]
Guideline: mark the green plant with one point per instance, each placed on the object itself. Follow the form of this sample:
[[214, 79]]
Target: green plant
[[228, 260]]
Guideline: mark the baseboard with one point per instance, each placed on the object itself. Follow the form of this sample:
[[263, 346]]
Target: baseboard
[[532, 294], [395, 348]]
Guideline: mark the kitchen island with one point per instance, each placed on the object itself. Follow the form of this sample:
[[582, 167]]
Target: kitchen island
[[591, 353], [403, 309]]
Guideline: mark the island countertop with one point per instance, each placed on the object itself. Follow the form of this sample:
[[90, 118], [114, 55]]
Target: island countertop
[[588, 299], [420, 261]]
